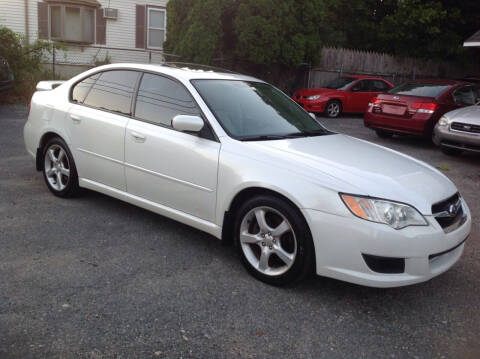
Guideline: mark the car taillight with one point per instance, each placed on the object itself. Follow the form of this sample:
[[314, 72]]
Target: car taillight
[[425, 107], [374, 102]]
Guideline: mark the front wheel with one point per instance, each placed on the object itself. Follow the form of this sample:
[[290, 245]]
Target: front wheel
[[59, 169], [333, 109], [273, 240]]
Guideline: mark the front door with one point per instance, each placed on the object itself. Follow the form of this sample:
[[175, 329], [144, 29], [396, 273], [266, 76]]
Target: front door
[[168, 167]]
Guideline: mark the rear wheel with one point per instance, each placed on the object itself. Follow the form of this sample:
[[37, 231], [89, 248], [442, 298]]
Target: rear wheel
[[449, 151], [273, 240], [383, 134], [333, 109], [59, 169]]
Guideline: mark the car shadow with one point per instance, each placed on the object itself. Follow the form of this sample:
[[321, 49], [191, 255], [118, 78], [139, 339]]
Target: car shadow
[[326, 290]]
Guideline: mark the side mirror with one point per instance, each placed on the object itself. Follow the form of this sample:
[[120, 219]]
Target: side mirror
[[312, 115], [186, 123]]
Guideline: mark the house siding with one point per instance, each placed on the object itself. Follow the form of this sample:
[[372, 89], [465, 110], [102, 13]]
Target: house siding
[[120, 33], [12, 15]]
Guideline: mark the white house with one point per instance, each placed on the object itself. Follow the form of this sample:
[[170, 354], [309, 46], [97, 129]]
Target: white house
[[122, 30]]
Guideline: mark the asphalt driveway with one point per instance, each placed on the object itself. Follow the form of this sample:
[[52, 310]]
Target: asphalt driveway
[[94, 277]]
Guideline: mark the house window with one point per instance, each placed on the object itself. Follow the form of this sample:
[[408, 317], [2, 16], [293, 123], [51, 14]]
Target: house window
[[72, 23], [156, 26]]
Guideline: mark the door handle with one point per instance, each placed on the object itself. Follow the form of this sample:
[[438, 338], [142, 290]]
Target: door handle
[[138, 137], [75, 119]]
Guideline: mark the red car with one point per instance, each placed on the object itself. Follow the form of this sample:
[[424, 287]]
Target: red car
[[350, 93], [415, 106]]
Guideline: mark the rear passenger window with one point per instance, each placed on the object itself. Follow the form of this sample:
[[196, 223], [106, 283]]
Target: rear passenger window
[[81, 89], [113, 91], [379, 86], [160, 99]]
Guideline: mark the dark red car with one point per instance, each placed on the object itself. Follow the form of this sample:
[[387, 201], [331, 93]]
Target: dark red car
[[350, 93], [414, 107]]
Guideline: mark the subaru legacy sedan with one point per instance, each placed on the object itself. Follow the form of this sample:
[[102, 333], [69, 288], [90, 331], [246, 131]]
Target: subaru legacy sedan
[[235, 157]]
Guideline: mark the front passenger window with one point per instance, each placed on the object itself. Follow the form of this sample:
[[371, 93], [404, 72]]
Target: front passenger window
[[466, 95], [160, 99], [360, 86]]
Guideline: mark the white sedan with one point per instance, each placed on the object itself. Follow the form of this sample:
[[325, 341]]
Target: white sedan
[[235, 157]]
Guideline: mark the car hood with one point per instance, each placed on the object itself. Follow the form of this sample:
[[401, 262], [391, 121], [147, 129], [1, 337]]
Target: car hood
[[470, 114], [363, 168]]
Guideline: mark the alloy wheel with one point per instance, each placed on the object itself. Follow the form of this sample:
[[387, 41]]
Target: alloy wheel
[[333, 109], [57, 167], [268, 241]]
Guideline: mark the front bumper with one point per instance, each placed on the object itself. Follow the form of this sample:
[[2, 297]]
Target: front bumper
[[341, 243], [311, 105], [444, 136]]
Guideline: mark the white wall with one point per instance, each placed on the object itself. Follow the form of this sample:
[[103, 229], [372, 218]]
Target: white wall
[[120, 32], [12, 15]]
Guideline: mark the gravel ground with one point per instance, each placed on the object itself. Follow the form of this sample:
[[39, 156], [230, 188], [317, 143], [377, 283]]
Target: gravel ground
[[94, 277]]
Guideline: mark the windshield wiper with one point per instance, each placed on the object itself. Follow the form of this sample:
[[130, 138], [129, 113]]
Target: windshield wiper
[[307, 134], [262, 138]]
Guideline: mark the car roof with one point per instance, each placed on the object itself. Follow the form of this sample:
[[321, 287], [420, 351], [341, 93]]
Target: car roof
[[187, 72]]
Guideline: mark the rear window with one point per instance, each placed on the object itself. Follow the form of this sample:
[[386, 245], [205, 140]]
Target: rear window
[[419, 89]]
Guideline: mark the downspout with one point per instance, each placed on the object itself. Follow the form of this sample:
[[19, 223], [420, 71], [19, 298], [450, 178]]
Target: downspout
[[27, 30]]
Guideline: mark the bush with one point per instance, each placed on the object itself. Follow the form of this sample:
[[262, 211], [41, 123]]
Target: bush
[[25, 61]]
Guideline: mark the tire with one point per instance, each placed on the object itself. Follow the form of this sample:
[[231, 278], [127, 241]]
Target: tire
[[333, 109], [384, 134], [449, 151], [59, 171], [274, 259]]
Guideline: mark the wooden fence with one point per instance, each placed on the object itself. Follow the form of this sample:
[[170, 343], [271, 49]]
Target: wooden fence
[[337, 61]]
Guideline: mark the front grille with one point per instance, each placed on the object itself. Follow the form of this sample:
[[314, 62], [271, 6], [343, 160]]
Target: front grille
[[465, 127], [449, 213]]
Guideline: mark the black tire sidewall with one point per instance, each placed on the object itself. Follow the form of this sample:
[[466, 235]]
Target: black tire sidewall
[[304, 260], [72, 187]]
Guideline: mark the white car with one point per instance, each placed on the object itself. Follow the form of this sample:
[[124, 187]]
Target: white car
[[235, 157]]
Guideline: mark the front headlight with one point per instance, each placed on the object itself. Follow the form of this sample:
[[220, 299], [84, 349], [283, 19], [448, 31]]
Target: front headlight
[[396, 215], [443, 121], [314, 97]]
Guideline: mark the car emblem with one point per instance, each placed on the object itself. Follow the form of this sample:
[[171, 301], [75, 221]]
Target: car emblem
[[467, 127], [452, 210], [396, 98]]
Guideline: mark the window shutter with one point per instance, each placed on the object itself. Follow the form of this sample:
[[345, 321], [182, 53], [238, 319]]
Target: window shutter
[[42, 21], [140, 27], [101, 28]]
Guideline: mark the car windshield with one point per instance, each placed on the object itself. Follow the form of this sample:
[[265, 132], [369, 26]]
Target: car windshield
[[340, 83], [419, 89], [251, 111]]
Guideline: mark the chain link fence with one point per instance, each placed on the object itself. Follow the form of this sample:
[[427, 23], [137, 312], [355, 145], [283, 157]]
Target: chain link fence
[[70, 60]]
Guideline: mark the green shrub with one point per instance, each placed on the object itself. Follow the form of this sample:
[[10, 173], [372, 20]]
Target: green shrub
[[25, 62]]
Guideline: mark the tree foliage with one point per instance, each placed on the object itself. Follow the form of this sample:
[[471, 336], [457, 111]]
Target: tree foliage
[[258, 32], [421, 28], [24, 59]]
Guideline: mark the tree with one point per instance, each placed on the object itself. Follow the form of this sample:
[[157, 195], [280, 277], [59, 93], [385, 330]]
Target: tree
[[421, 29], [259, 32]]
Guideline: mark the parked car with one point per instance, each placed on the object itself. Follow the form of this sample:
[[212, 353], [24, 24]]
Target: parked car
[[233, 156], [459, 131], [6, 75], [415, 106], [349, 94]]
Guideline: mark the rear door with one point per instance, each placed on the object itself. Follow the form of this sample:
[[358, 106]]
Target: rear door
[[168, 167], [97, 123]]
